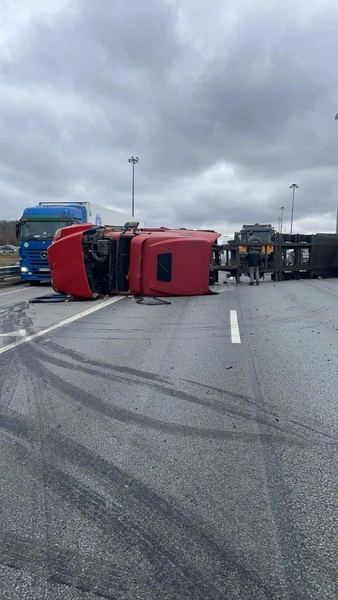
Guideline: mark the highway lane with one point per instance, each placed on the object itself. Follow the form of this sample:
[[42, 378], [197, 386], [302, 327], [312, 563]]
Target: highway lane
[[145, 455], [27, 313], [295, 370]]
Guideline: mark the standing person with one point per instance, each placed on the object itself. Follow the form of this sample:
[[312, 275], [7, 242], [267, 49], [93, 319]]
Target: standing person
[[254, 260]]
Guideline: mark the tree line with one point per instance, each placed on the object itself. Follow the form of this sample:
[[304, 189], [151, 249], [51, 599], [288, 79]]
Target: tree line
[[7, 233]]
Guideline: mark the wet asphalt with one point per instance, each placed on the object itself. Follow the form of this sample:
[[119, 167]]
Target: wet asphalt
[[146, 456]]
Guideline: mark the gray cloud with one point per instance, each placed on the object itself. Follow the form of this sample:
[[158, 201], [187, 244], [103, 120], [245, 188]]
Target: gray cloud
[[226, 106]]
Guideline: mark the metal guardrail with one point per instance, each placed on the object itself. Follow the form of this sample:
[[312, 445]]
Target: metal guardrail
[[10, 271]]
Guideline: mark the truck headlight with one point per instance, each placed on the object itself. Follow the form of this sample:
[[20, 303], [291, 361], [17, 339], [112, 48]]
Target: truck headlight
[[24, 269]]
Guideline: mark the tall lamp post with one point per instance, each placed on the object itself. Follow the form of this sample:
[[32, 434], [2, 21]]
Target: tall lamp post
[[293, 187], [281, 218], [133, 160], [336, 118]]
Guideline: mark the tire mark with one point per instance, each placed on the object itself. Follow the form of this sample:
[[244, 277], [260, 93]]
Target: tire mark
[[8, 366], [42, 468], [322, 287], [181, 535], [257, 405], [83, 588], [211, 403], [278, 493], [42, 352], [76, 356], [123, 415], [15, 425], [165, 563], [23, 553]]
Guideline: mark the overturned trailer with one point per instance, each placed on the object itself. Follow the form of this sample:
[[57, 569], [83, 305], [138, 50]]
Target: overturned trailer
[[89, 262], [295, 256]]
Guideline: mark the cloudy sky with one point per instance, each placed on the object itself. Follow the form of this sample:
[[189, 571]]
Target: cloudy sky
[[226, 104]]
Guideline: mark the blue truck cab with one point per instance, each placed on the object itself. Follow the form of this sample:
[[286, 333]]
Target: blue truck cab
[[35, 231]]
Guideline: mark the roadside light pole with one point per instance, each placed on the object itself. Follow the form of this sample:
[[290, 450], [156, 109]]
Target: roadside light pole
[[133, 160], [293, 187], [281, 218], [336, 119]]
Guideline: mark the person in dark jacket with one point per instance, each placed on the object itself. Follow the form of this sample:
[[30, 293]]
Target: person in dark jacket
[[254, 260]]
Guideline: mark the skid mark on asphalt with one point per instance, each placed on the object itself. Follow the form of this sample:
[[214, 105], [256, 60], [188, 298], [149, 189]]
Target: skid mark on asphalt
[[37, 366], [221, 401], [68, 321], [133, 518], [164, 385]]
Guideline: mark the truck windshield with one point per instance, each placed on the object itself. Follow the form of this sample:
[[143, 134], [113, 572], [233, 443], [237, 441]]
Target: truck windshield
[[35, 230]]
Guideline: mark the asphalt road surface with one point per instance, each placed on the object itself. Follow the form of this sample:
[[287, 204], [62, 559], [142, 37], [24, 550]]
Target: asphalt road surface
[[170, 451]]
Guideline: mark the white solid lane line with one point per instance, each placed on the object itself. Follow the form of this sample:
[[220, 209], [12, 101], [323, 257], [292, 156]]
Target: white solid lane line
[[18, 332], [15, 291], [84, 313], [235, 335]]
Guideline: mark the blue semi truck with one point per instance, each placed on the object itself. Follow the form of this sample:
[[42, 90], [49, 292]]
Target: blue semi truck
[[38, 224]]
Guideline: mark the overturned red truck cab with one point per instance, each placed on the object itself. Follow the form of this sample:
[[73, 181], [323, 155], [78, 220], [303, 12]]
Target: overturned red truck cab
[[87, 262]]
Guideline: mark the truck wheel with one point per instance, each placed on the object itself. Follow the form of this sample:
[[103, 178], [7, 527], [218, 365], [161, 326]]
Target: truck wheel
[[34, 282], [254, 241]]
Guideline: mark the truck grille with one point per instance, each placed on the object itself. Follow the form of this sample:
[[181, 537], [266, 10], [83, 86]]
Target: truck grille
[[34, 257]]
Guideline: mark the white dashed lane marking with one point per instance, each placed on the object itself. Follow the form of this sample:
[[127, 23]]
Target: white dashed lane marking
[[235, 335]]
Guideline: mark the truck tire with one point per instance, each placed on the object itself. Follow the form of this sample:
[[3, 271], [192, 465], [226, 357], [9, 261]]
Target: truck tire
[[34, 282], [254, 241]]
